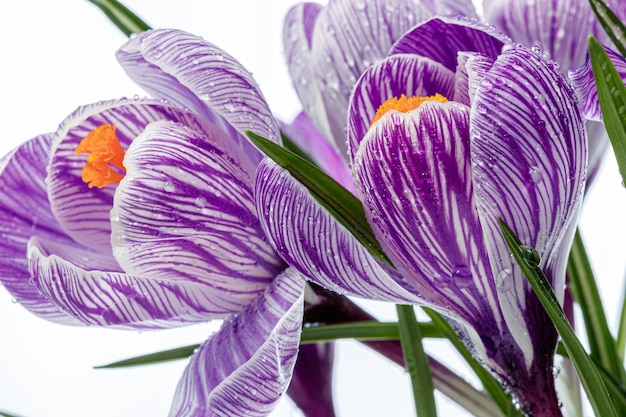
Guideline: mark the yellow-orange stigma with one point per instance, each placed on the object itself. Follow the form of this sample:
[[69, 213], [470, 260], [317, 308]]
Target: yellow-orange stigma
[[404, 104], [105, 154]]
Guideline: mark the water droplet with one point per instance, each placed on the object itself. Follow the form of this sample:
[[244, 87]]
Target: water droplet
[[482, 109], [504, 280], [157, 53], [536, 174], [538, 100], [531, 256], [486, 85], [462, 276], [169, 186]]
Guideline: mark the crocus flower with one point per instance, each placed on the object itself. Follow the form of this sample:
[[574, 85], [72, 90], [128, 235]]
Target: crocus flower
[[471, 134], [178, 239], [548, 24]]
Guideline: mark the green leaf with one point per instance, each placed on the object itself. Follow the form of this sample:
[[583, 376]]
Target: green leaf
[[416, 362], [182, 352], [592, 382], [490, 384], [621, 331], [612, 96], [339, 202], [5, 414], [611, 24], [602, 345], [125, 20]]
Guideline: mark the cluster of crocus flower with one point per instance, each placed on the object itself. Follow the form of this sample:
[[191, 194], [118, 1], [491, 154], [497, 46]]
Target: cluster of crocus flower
[[173, 217]]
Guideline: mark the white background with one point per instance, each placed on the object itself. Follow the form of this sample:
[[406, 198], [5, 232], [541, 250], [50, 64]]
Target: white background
[[56, 55]]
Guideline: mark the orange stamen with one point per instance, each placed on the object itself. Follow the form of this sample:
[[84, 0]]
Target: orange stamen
[[404, 104], [105, 154]]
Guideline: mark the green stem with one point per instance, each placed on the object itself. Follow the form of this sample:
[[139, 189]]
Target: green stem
[[125, 20], [621, 331], [416, 362]]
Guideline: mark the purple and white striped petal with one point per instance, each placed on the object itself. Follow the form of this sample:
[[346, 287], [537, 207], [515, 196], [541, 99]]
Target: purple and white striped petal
[[559, 27], [349, 36], [414, 175], [302, 132], [24, 212], [245, 368], [472, 69], [89, 287], [83, 212], [297, 37], [410, 75], [451, 8], [442, 38], [309, 239], [585, 86], [195, 74], [185, 211], [529, 157]]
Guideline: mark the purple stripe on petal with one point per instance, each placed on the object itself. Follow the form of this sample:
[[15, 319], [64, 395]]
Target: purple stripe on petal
[[112, 298], [585, 85], [83, 212], [195, 74], [442, 38], [313, 242], [560, 27], [529, 159], [410, 75], [415, 178], [307, 137], [245, 368], [24, 212], [185, 211], [475, 68], [350, 36]]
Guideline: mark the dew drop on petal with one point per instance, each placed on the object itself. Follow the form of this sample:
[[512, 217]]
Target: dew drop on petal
[[536, 174], [462, 276], [504, 280]]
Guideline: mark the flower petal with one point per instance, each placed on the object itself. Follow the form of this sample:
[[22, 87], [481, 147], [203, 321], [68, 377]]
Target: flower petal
[[311, 387], [350, 36], [453, 35], [452, 8], [83, 212], [185, 211], [297, 38], [195, 74], [410, 75], [585, 85], [307, 137], [245, 368], [309, 239], [24, 212], [529, 158], [89, 287], [414, 176], [473, 66], [560, 27]]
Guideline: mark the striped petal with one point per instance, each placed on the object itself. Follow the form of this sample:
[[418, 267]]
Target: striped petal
[[245, 368], [185, 211], [529, 157], [316, 146], [585, 85], [91, 288], [297, 37], [309, 239], [349, 36], [410, 75], [195, 74], [550, 25], [415, 179], [452, 35], [25, 212], [83, 212], [451, 8]]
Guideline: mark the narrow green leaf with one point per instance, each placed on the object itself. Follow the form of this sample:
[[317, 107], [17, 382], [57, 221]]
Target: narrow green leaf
[[5, 414], [592, 382], [490, 384], [293, 147], [416, 362], [602, 345], [363, 331], [615, 388], [125, 20], [621, 331], [344, 206], [182, 352], [611, 24], [612, 96]]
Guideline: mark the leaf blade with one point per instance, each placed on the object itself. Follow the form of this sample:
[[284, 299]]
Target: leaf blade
[[121, 16]]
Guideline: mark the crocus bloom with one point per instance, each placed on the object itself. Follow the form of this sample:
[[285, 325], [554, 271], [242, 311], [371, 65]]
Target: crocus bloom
[[177, 241], [509, 142]]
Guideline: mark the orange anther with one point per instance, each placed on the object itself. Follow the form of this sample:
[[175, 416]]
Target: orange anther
[[105, 163]]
